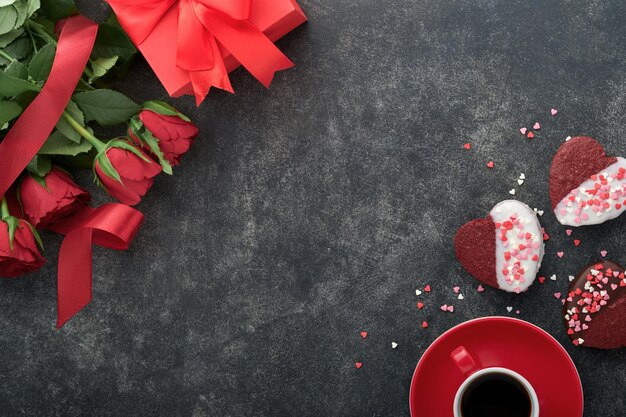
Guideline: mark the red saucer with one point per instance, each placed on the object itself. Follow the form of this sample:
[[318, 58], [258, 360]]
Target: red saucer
[[497, 341]]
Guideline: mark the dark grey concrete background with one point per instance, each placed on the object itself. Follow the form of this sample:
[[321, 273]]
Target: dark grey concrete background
[[311, 211]]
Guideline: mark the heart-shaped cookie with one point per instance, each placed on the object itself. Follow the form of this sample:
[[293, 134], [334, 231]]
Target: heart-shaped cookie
[[504, 249], [586, 186], [595, 307]]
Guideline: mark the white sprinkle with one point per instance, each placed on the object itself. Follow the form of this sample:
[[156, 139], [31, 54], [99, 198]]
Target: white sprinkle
[[394, 345], [553, 277], [460, 297], [581, 341], [509, 309], [571, 278], [520, 182], [418, 292], [567, 138], [522, 176], [512, 191]]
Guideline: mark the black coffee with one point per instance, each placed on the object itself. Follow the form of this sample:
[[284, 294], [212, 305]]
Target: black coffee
[[495, 395]]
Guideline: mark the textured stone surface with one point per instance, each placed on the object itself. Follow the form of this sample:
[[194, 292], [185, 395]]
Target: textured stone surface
[[311, 211]]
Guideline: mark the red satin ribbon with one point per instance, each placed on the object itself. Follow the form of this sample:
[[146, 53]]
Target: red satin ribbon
[[201, 25], [111, 225]]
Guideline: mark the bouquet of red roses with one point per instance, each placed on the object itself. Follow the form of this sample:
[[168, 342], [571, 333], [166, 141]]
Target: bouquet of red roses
[[39, 49]]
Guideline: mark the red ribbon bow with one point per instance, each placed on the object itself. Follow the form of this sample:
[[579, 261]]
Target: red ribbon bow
[[111, 225], [202, 24]]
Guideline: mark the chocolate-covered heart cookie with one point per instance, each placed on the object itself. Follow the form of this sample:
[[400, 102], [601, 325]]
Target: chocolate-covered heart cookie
[[504, 249], [586, 186], [595, 307]]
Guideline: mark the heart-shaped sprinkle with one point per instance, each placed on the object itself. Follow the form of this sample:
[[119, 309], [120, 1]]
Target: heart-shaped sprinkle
[[509, 309], [560, 254], [424, 324], [557, 295], [523, 130], [613, 287], [571, 278], [536, 126], [530, 135], [364, 335], [584, 326], [427, 288], [444, 307], [418, 292], [603, 253], [460, 297], [358, 365], [394, 345], [451, 309], [553, 112], [541, 279], [467, 146], [480, 288], [490, 164], [568, 232], [420, 305], [553, 277], [522, 176], [576, 242], [520, 182], [512, 191], [456, 289]]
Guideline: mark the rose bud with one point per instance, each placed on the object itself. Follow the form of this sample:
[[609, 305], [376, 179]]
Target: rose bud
[[18, 245], [48, 199], [163, 130], [125, 171]]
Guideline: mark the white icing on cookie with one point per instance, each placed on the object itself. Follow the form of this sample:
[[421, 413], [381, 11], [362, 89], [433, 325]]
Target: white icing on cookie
[[519, 245], [600, 198]]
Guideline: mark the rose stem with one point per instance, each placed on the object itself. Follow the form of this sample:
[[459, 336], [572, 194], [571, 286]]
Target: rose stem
[[97, 143]]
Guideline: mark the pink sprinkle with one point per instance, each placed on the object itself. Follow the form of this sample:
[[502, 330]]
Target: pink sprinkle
[[553, 112], [358, 365], [451, 309], [523, 130], [424, 324], [557, 295], [444, 307], [480, 288], [603, 253], [456, 290], [427, 288], [536, 126], [467, 146], [560, 254], [364, 335], [516, 311], [568, 232], [490, 164], [613, 287]]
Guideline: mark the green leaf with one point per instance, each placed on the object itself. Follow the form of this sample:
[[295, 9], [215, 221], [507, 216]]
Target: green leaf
[[107, 107], [9, 37], [12, 86], [83, 86], [113, 41], [100, 66], [146, 137], [20, 48], [25, 8], [162, 107], [58, 9], [8, 17], [35, 234], [41, 63], [9, 111], [59, 144], [65, 128], [24, 99], [6, 2], [17, 70], [40, 165]]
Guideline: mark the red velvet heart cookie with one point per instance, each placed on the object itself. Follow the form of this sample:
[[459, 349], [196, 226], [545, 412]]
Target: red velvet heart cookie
[[504, 249], [586, 186], [595, 306]]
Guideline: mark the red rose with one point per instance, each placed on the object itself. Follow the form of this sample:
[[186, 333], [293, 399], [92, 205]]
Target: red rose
[[21, 255], [45, 204], [126, 172], [174, 134]]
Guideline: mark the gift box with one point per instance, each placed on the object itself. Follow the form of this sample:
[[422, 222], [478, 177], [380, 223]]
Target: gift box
[[274, 18]]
